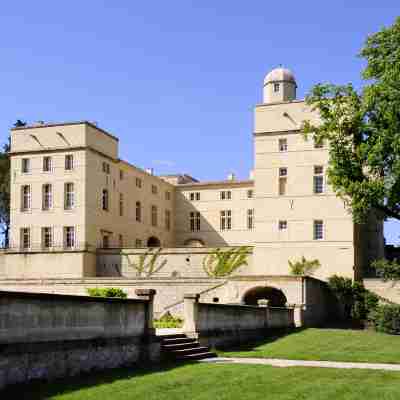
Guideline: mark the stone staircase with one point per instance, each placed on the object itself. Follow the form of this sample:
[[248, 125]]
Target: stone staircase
[[179, 347]]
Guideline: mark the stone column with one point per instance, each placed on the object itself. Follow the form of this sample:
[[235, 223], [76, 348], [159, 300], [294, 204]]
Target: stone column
[[148, 294], [190, 302]]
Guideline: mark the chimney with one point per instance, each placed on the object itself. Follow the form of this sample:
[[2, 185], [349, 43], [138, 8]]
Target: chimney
[[150, 171], [251, 175], [231, 177]]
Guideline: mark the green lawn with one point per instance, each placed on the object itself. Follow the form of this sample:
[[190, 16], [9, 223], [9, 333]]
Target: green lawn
[[325, 344], [219, 382]]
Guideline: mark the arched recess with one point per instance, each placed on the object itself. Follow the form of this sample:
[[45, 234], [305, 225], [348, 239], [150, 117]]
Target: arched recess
[[275, 297], [153, 242], [194, 243]]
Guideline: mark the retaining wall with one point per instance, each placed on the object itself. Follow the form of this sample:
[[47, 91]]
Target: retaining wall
[[46, 336], [220, 325]]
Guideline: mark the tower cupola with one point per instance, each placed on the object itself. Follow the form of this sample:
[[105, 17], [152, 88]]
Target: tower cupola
[[279, 85]]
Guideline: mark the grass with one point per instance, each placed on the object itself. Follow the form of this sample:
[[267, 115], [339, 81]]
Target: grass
[[325, 344], [219, 382]]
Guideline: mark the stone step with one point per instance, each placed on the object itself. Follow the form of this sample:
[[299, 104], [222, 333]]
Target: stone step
[[179, 346], [196, 356], [178, 340], [192, 350], [173, 336]]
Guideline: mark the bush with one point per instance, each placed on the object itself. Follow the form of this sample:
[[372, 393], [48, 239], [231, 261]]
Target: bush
[[168, 321], [386, 318], [357, 301], [303, 266], [107, 292]]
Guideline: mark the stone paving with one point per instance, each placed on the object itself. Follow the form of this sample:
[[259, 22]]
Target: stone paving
[[302, 363]]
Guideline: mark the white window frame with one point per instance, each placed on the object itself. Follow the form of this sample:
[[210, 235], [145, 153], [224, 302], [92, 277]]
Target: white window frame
[[318, 179], [69, 196], [250, 219], [47, 237], [105, 200], [69, 237], [47, 164], [282, 144], [25, 237], [154, 215], [25, 165], [26, 198], [47, 197], [282, 225], [318, 229], [69, 162], [226, 220]]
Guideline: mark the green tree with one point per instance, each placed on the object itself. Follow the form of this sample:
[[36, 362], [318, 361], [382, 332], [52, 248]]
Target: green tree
[[303, 266], [362, 128], [5, 192]]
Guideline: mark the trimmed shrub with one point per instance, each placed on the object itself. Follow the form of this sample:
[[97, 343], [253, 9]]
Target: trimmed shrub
[[168, 321], [107, 292], [386, 318]]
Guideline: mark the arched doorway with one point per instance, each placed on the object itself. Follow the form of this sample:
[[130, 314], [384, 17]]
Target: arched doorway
[[194, 243], [275, 297], [153, 242]]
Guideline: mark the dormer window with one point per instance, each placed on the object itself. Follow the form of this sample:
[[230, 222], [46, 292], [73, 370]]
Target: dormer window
[[276, 87]]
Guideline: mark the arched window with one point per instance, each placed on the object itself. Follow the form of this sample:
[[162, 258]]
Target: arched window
[[153, 242]]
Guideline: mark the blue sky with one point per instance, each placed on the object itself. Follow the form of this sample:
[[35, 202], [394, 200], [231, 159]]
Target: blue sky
[[169, 78]]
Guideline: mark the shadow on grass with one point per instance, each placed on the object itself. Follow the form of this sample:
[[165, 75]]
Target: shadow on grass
[[38, 390], [273, 335]]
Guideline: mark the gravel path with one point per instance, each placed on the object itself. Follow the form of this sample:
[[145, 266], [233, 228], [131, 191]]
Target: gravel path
[[302, 363]]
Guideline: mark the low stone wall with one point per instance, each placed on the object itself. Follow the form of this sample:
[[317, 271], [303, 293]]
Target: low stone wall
[[220, 325], [45, 336]]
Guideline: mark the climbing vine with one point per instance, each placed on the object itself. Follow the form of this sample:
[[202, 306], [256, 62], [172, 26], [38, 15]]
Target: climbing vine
[[148, 263]]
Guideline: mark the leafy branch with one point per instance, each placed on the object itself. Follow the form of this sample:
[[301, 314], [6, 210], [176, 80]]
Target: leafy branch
[[147, 263], [221, 263]]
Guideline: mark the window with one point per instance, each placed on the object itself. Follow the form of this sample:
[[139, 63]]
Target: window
[[47, 237], [195, 196], [47, 197], [26, 165], [318, 144], [318, 230], [168, 220], [276, 87], [106, 167], [154, 189], [105, 200], [225, 195], [194, 221], [167, 195], [282, 144], [282, 181], [282, 225], [106, 241], [250, 194], [138, 182], [69, 162], [121, 175], [226, 220], [69, 237], [47, 164], [138, 243], [25, 198], [25, 238], [138, 212], [121, 205], [154, 216], [250, 219], [318, 179], [120, 241], [69, 196]]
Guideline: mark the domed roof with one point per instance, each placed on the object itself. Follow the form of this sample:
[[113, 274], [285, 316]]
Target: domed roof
[[278, 75]]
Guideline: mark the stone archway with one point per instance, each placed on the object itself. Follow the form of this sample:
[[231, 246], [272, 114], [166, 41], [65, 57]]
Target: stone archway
[[153, 242], [194, 242], [275, 297]]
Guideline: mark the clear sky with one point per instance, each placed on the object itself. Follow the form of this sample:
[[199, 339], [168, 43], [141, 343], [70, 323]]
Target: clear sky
[[176, 81]]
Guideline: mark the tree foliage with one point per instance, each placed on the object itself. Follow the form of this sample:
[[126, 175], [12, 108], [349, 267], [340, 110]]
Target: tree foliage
[[107, 292], [222, 263], [303, 266], [5, 192], [388, 270], [362, 129]]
